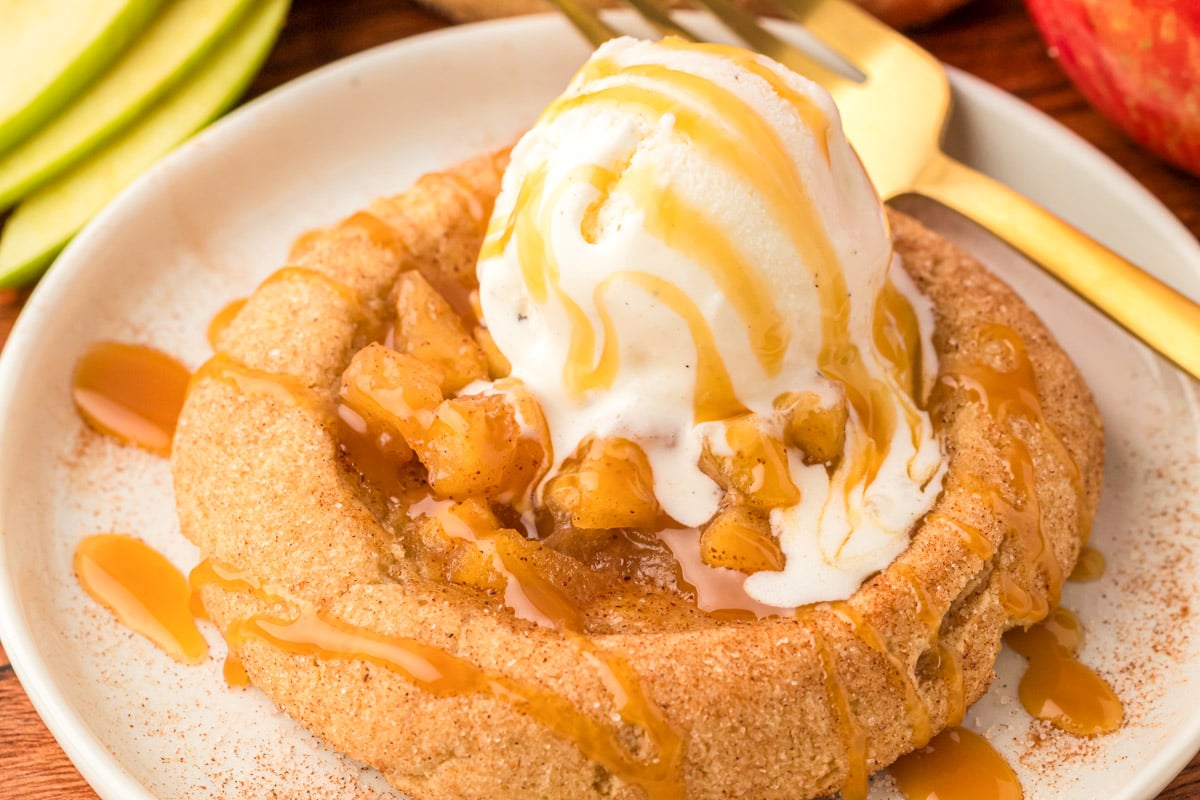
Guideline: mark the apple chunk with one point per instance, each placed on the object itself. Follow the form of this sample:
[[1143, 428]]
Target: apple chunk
[[428, 329]]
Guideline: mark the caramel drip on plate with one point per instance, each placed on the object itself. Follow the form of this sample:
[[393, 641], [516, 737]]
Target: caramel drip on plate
[[1090, 566], [914, 705], [301, 629], [143, 589], [956, 765], [1010, 394], [221, 321], [130, 392], [233, 672], [1058, 688]]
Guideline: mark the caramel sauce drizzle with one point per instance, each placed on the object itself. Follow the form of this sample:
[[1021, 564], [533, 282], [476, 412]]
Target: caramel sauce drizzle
[[750, 291], [898, 338], [307, 274], [711, 117], [301, 629], [528, 593], [150, 596], [285, 389], [715, 396], [222, 320], [951, 668], [664, 213], [897, 335], [914, 704], [1008, 395], [855, 786], [233, 672], [813, 117], [949, 659], [956, 765], [717, 591], [532, 596], [130, 392], [315, 633], [925, 607], [1090, 566], [775, 177], [378, 457], [688, 229], [381, 234], [143, 589], [1056, 687], [972, 538]]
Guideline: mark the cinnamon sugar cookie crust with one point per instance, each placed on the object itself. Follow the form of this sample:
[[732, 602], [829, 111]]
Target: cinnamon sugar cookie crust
[[323, 599]]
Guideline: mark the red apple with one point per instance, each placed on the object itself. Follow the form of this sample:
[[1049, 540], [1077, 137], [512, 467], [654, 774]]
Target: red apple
[[1138, 61]]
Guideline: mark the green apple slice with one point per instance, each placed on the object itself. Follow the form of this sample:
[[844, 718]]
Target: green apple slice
[[50, 50], [176, 41], [43, 224]]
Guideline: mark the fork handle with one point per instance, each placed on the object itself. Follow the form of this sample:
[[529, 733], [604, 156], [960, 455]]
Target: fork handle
[[1161, 317]]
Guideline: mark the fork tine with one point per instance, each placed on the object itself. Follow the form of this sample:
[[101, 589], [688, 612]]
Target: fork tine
[[661, 20], [586, 21], [746, 25], [849, 31]]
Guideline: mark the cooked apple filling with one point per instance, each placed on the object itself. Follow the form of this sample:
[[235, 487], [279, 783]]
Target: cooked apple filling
[[431, 422]]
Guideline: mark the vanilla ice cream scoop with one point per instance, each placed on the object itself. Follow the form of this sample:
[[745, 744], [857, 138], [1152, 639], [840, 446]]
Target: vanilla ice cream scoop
[[686, 238]]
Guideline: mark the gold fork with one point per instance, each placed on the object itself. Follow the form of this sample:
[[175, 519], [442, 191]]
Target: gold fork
[[895, 119]]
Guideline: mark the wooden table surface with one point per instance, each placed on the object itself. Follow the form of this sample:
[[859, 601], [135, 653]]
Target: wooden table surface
[[990, 38]]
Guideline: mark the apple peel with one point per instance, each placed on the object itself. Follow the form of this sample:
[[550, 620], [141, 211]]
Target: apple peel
[[1137, 62], [175, 44], [43, 224]]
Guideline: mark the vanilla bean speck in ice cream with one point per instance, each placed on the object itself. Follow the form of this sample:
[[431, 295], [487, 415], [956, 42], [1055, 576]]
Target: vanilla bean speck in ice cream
[[688, 255]]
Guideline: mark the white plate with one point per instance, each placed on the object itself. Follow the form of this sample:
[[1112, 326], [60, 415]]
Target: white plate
[[210, 222]]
